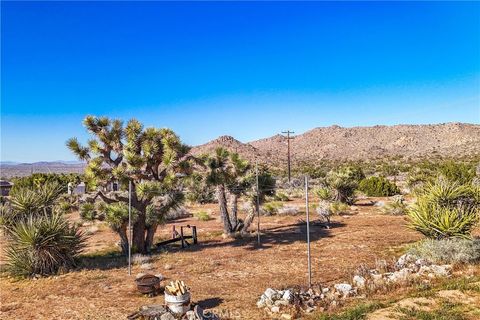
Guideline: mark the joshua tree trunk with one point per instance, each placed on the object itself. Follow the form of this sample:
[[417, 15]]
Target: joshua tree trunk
[[249, 219], [150, 234], [234, 211], [122, 232], [222, 202]]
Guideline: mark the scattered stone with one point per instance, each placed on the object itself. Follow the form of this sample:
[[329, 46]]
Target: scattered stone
[[286, 316], [146, 266], [287, 295], [344, 288], [167, 267], [275, 309], [359, 281], [309, 310], [270, 293], [436, 270], [167, 316], [190, 315]]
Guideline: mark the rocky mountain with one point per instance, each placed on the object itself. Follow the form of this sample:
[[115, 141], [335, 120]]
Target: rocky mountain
[[334, 143]]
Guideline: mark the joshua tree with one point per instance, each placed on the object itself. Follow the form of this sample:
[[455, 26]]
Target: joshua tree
[[232, 178], [343, 182], [153, 160]]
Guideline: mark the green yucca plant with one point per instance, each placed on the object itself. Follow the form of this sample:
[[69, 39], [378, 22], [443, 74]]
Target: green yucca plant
[[439, 222], [445, 209], [43, 245], [36, 200]]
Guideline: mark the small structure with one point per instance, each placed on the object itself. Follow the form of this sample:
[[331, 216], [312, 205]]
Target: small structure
[[181, 237], [5, 187], [80, 188]]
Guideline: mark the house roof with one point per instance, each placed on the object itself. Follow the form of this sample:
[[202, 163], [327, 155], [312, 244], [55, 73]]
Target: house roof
[[5, 183]]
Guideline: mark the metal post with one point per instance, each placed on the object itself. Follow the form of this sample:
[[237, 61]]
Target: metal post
[[258, 204], [130, 228], [308, 234]]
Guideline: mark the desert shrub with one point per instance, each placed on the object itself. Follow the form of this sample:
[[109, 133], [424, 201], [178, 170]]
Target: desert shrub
[[288, 210], [338, 207], [7, 217], [271, 208], [36, 180], [88, 212], [378, 187], [343, 183], [202, 216], [445, 209], [448, 250], [324, 194], [42, 245], [462, 173], [281, 196], [295, 193], [396, 207]]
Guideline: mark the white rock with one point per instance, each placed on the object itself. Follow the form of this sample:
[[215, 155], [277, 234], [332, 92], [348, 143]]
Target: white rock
[[146, 266], [261, 303], [400, 275], [325, 290], [275, 309], [287, 295], [191, 315], [405, 260], [270, 293], [359, 281], [281, 302], [286, 316], [344, 288]]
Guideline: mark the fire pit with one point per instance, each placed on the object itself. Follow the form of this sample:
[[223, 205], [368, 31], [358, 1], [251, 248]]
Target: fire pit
[[148, 284]]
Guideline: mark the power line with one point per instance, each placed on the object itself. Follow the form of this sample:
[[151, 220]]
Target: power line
[[288, 151]]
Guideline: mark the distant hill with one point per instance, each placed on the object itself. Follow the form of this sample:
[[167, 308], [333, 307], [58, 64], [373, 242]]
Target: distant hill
[[9, 169], [334, 143]]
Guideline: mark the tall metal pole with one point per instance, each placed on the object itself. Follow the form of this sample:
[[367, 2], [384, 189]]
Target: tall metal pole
[[288, 153], [258, 203], [130, 228], [308, 234]]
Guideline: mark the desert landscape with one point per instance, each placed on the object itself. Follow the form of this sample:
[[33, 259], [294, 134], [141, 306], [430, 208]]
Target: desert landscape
[[240, 160]]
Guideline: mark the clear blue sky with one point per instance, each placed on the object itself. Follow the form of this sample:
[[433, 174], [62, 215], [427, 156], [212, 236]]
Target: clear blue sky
[[245, 69]]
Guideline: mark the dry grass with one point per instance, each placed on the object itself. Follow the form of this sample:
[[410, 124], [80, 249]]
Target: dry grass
[[227, 275]]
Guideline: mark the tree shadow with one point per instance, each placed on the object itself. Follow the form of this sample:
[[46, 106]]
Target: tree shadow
[[210, 302], [269, 237], [103, 261]]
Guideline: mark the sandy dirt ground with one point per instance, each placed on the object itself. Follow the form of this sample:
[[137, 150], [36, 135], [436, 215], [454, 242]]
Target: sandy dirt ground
[[227, 275]]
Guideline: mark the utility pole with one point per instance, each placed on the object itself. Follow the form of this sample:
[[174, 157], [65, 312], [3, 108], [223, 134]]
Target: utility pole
[[307, 209], [288, 151], [129, 228], [258, 203]]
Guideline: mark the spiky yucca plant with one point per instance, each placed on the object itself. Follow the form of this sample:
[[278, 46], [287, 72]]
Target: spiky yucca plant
[[42, 245], [445, 209]]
